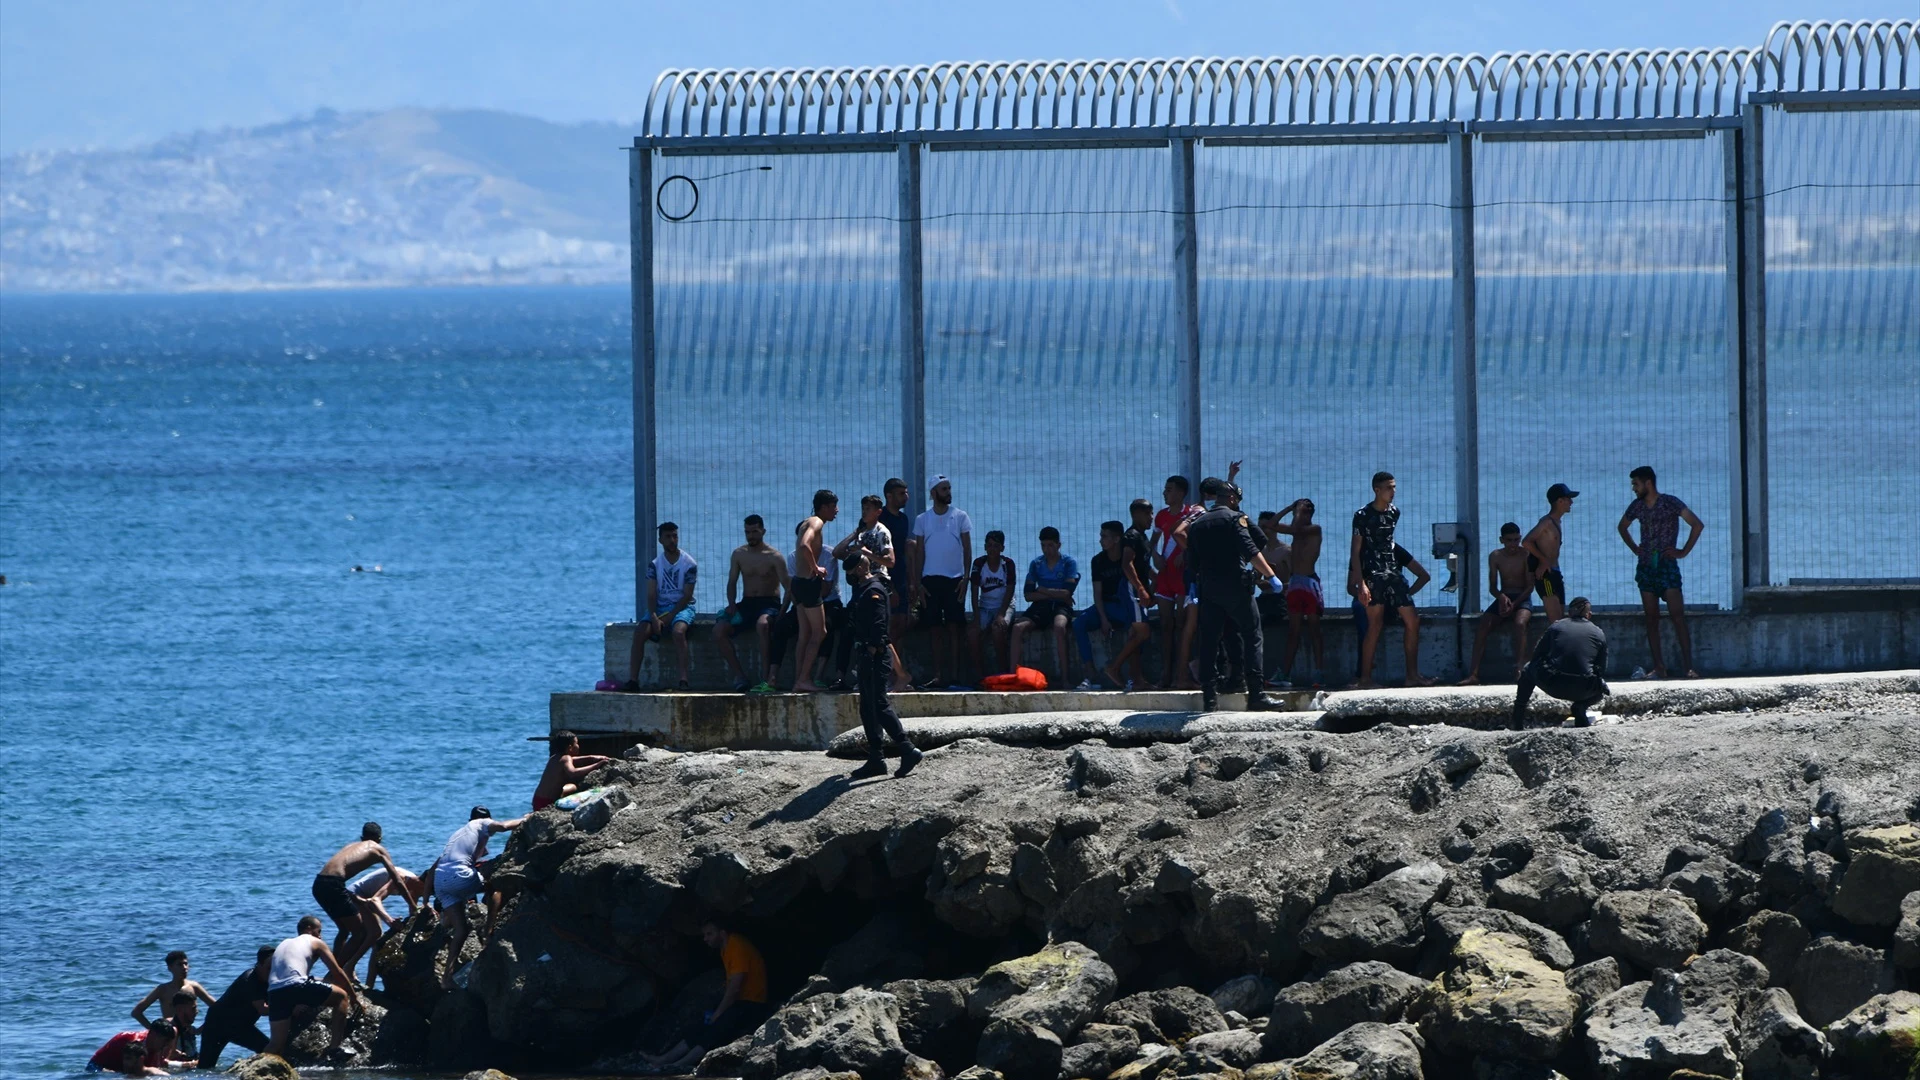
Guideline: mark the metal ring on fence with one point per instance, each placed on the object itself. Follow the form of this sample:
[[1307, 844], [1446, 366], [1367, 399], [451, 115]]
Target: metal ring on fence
[[660, 194]]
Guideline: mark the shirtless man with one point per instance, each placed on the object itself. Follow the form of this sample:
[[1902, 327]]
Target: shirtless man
[[565, 770], [1170, 584], [292, 989], [1542, 546], [809, 588], [764, 573], [330, 884], [1305, 598], [1510, 579], [162, 995]]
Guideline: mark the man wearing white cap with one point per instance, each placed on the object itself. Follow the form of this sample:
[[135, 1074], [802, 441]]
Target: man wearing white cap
[[942, 553]]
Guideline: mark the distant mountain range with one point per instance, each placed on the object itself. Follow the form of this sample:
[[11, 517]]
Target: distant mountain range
[[401, 197]]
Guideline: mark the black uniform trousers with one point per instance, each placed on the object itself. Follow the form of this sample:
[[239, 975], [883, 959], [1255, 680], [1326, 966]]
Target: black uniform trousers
[[221, 1029], [1223, 601], [876, 712], [1584, 691]]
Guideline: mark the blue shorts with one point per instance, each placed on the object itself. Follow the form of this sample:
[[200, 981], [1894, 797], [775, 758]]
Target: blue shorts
[[660, 611], [456, 883]]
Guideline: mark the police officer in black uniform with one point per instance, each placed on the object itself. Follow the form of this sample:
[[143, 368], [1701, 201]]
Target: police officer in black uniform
[[1220, 543], [867, 623]]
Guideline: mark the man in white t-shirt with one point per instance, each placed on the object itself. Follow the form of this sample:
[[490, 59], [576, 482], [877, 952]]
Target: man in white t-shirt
[[670, 580], [942, 555], [459, 876]]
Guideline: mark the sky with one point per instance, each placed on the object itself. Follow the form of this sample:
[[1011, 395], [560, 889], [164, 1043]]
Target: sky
[[116, 73]]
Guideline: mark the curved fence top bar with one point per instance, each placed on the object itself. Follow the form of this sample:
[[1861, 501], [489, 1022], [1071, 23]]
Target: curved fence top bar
[[1604, 84]]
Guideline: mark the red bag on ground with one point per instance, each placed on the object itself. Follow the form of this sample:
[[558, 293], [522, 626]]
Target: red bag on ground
[[1023, 678]]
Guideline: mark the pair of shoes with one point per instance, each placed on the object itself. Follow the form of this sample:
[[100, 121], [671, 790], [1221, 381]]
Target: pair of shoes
[[631, 686], [910, 756], [763, 687], [874, 767], [1279, 684], [1088, 684], [1262, 702]]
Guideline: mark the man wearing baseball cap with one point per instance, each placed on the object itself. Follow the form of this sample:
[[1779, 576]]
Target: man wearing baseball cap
[[458, 878], [1543, 552]]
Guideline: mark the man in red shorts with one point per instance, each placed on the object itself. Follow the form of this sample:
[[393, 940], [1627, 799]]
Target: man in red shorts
[[1305, 598], [1170, 583]]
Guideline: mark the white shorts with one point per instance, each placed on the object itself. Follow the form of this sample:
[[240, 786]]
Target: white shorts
[[457, 883]]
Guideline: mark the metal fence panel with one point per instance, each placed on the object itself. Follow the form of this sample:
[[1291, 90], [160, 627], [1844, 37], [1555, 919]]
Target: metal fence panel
[[1050, 345], [1842, 209], [1602, 322], [777, 341], [1325, 297]]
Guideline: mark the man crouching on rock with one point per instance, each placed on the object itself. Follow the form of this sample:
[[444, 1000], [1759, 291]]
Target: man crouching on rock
[[1570, 663], [867, 622], [743, 1000]]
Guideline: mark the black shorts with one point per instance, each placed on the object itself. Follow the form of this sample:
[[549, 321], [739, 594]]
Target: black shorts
[[748, 611], [1552, 584], [1042, 613], [807, 591], [1519, 602], [312, 994], [330, 891], [1389, 591], [946, 604], [1273, 608]]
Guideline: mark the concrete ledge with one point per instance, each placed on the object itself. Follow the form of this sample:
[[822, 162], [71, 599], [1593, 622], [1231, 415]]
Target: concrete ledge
[[1113, 727]]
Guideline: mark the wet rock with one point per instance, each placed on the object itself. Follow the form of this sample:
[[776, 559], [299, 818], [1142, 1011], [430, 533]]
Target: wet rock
[[1774, 938], [1248, 995], [527, 961], [487, 1074], [1906, 936], [1382, 921], [1651, 929], [1834, 977], [857, 1031], [1591, 982], [1881, 1037], [1362, 1052], [1553, 890], [1446, 925], [978, 1072], [1713, 883], [308, 1047], [1238, 1049], [1102, 1048], [1058, 989], [1307, 1014], [597, 814], [457, 1035], [263, 1067], [1497, 1000], [1170, 1016], [1883, 867], [1714, 1016], [818, 1073], [1020, 1049], [400, 1039], [933, 1017]]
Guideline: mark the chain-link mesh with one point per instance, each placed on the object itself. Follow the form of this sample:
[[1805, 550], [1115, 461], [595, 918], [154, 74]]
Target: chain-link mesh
[[1843, 344], [1602, 331]]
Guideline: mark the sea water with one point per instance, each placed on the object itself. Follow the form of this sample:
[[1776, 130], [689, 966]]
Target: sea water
[[201, 698]]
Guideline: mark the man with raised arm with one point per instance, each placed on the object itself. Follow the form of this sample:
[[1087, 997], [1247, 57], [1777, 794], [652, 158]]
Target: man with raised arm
[[1306, 599], [1542, 546], [1659, 552], [1511, 583]]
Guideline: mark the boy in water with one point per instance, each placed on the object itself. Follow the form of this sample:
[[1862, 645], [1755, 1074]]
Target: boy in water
[[162, 995]]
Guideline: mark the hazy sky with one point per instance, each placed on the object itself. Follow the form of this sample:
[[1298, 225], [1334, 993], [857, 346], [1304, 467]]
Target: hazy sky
[[117, 72]]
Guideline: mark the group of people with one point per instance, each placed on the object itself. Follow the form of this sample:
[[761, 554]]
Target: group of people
[[1143, 580]]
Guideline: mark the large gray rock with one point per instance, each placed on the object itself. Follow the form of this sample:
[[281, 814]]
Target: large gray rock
[[263, 1067], [1307, 1014], [1651, 929], [1386, 920], [1553, 890], [1883, 866], [1446, 925], [1363, 1052], [1714, 883], [856, 1031], [1102, 1048], [1059, 988], [933, 1017], [1774, 938], [1834, 977], [1716, 1016], [1170, 1016], [1496, 1000], [1248, 995], [1238, 1049], [1020, 1049], [1591, 982], [1881, 1037], [308, 1047], [1906, 936]]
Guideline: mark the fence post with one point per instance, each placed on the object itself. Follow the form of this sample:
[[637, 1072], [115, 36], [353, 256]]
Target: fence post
[[1730, 143], [913, 336], [1186, 283], [640, 241], [1466, 371], [1753, 365]]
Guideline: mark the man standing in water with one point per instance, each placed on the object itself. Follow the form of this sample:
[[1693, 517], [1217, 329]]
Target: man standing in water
[[670, 580], [330, 885], [763, 571], [235, 1018], [1658, 574], [162, 995], [1373, 576], [1511, 583], [1542, 546], [942, 554], [810, 588], [292, 988]]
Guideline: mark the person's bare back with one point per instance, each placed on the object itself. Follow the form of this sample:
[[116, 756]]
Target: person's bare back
[[352, 859], [1544, 542], [562, 776], [762, 570]]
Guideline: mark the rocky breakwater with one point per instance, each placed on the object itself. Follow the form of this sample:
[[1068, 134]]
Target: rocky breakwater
[[1727, 896]]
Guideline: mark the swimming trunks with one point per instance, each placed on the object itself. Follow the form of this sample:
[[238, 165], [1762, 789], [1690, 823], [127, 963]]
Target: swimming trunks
[[330, 892], [748, 611], [1519, 601], [1389, 591], [541, 802], [456, 883], [1552, 584], [1657, 575], [807, 591], [1305, 596], [308, 993], [945, 603]]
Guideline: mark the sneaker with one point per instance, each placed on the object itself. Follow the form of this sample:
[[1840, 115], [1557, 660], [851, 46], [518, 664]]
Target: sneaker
[[1280, 684], [1638, 674], [910, 756], [874, 767], [1087, 684]]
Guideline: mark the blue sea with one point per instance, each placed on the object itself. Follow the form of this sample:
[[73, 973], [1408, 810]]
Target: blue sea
[[200, 698]]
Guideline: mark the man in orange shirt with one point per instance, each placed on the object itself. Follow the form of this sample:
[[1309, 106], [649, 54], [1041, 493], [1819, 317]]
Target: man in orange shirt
[[741, 1008]]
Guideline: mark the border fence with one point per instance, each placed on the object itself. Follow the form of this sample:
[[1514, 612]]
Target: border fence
[[1059, 282]]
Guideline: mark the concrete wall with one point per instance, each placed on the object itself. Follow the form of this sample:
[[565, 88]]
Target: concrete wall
[[1780, 632]]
